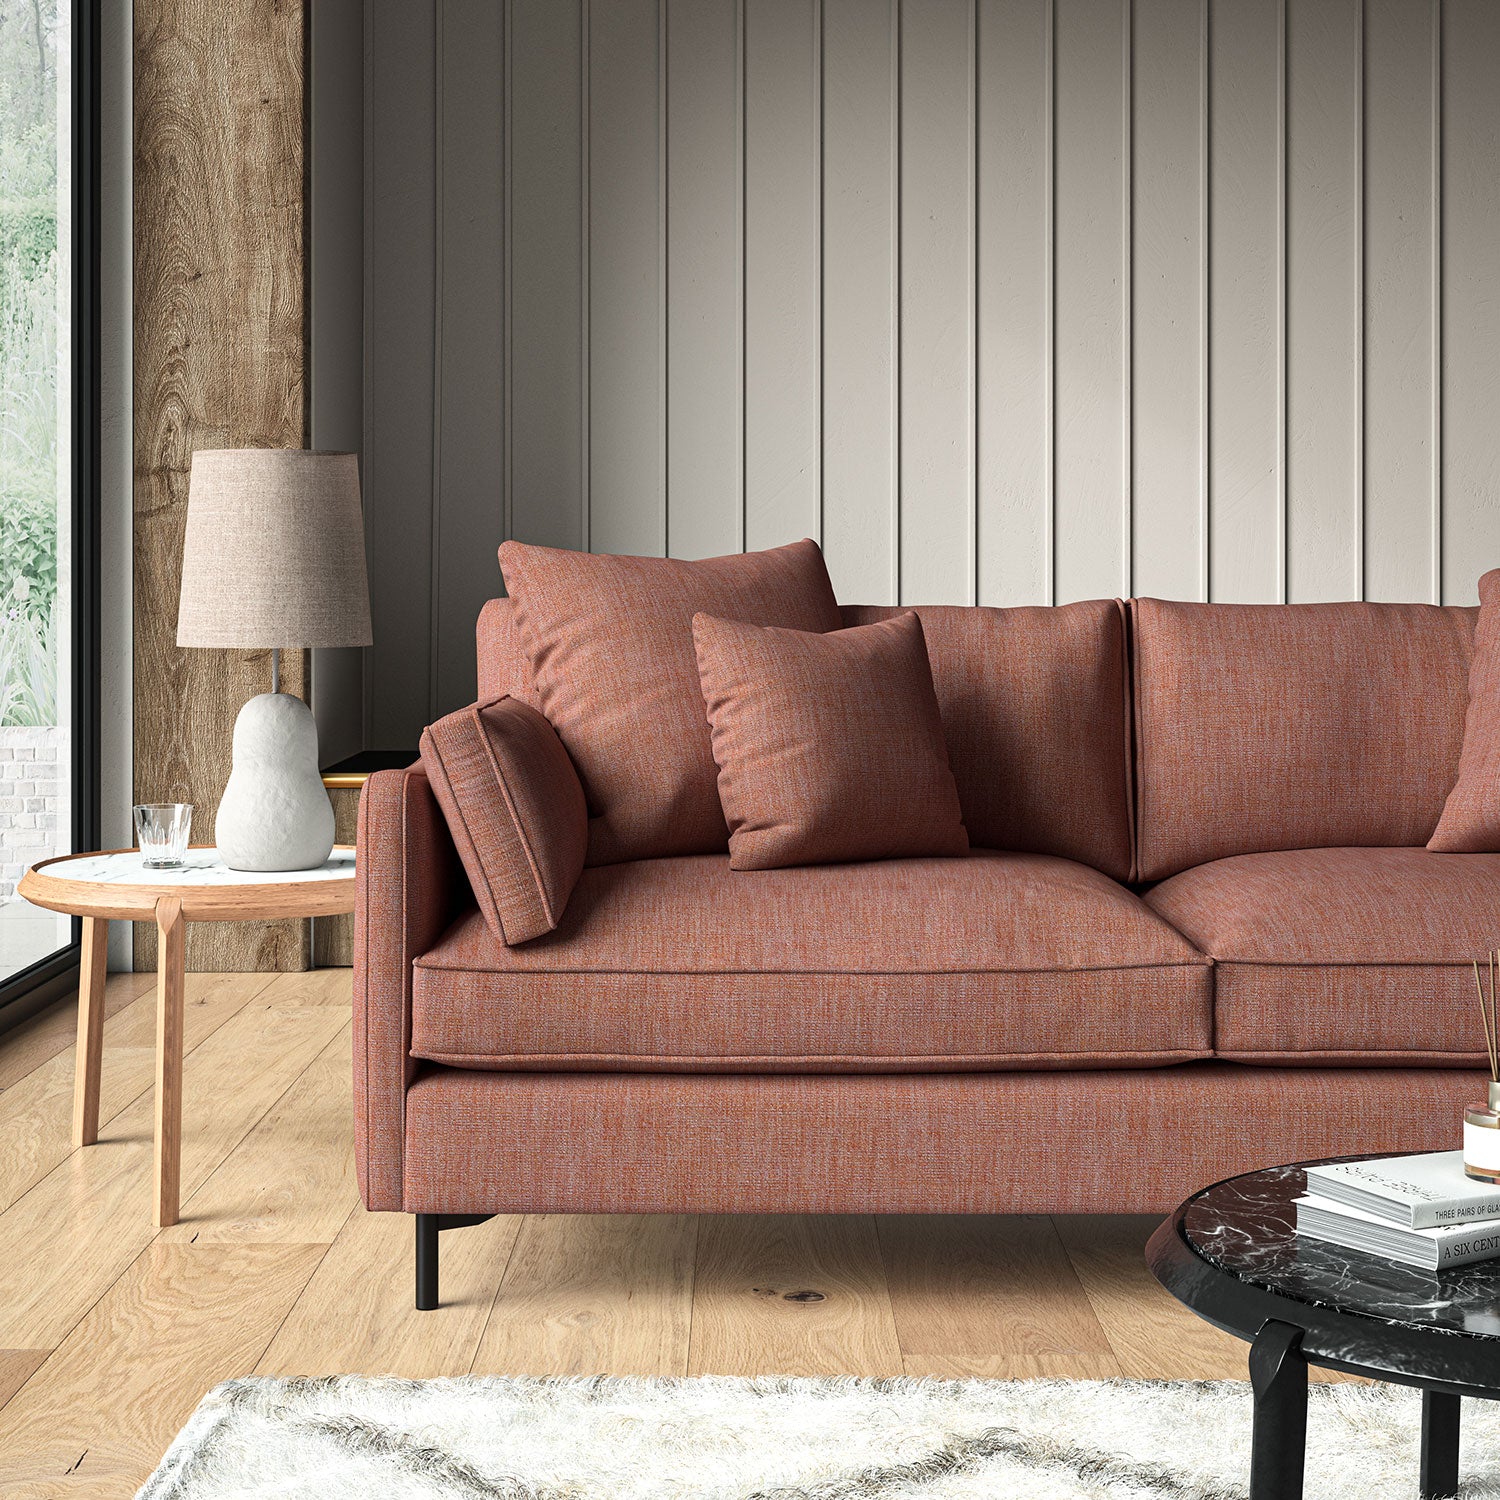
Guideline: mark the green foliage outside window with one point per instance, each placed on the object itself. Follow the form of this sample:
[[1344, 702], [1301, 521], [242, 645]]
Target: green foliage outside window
[[29, 346]]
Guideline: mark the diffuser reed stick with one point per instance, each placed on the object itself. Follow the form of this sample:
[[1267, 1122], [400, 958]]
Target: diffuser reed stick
[[1487, 1017]]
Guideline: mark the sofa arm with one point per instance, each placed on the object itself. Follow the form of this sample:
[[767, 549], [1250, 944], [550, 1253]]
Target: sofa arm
[[409, 887]]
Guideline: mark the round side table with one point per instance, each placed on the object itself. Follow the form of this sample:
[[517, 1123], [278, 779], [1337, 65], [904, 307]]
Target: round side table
[[115, 886], [1233, 1255]]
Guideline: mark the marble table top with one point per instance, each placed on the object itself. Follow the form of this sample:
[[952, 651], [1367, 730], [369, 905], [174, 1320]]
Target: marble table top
[[203, 867], [1245, 1227]]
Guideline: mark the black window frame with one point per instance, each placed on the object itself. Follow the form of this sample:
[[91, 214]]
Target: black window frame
[[30, 989]]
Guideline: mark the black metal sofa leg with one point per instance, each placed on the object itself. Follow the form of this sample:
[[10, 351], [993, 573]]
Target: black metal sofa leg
[[429, 1226]]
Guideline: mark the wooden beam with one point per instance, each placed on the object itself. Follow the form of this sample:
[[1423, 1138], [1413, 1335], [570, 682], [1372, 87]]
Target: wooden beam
[[220, 362]]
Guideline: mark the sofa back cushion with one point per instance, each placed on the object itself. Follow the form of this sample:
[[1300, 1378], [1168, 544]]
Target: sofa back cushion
[[503, 667], [610, 640], [1293, 726], [1471, 819], [1034, 710]]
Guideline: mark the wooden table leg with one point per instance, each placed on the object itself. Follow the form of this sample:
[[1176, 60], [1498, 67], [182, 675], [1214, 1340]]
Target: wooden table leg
[[90, 1030], [170, 958]]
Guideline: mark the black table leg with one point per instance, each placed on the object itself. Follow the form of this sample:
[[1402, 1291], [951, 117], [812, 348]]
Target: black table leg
[[1278, 1375], [1439, 1444]]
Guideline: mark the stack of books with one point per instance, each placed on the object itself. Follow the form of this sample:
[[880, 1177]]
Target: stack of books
[[1421, 1210]]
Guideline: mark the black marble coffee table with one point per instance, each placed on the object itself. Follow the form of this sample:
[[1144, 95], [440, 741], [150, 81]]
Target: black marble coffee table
[[1230, 1254]]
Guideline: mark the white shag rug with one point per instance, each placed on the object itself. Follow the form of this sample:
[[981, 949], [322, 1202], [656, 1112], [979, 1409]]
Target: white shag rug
[[716, 1438]]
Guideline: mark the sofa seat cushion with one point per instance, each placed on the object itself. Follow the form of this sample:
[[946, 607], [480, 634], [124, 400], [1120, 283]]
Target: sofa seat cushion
[[1354, 956], [987, 961]]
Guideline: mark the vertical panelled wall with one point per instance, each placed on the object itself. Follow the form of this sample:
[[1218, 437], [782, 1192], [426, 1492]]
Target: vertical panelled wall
[[1007, 301]]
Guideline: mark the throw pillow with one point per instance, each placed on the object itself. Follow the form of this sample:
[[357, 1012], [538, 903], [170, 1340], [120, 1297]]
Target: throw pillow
[[515, 809], [829, 747], [611, 644], [1470, 823]]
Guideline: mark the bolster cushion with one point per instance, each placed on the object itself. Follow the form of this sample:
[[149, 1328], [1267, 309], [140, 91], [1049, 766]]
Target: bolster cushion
[[515, 809]]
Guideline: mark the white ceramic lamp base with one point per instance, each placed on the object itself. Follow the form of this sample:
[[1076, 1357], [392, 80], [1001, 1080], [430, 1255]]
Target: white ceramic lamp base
[[275, 813]]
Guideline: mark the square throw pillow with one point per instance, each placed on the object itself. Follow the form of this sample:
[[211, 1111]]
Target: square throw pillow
[[1470, 823], [610, 641], [515, 809], [829, 747]]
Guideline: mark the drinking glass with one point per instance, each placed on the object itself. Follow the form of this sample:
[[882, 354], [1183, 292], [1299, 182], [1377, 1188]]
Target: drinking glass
[[161, 829]]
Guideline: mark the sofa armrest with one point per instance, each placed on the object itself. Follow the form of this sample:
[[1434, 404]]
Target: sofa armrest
[[409, 889]]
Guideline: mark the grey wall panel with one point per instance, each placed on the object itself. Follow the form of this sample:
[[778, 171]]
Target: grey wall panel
[[861, 298], [1008, 300], [627, 319], [1400, 324], [543, 274], [1013, 447], [335, 331], [469, 519], [1323, 479], [400, 362], [1247, 245], [1470, 230], [1091, 440], [783, 209], [937, 302], [705, 276], [1169, 287]]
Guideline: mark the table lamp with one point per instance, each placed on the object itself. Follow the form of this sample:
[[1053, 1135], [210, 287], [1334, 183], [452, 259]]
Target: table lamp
[[274, 556]]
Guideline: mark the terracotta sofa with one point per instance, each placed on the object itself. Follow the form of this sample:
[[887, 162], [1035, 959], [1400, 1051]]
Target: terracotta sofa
[[1198, 932]]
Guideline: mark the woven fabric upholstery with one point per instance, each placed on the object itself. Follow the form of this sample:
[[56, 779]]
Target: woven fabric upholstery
[[1342, 955], [1471, 816], [409, 886], [610, 640], [515, 810], [988, 961], [1122, 1142], [504, 670], [1035, 708], [1293, 726], [829, 746], [1034, 703]]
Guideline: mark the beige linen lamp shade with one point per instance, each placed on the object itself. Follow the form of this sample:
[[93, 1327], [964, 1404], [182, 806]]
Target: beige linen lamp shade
[[274, 553]]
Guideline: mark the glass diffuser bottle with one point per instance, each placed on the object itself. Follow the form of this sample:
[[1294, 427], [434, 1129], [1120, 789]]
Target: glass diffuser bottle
[[1482, 1121], [1482, 1137]]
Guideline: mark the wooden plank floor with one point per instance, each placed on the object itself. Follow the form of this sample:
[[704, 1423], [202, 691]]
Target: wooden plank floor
[[110, 1332]]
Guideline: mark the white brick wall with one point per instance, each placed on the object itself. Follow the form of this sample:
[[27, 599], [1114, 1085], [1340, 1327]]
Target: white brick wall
[[34, 812]]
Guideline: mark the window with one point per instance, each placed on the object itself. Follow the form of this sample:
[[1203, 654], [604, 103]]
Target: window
[[48, 465]]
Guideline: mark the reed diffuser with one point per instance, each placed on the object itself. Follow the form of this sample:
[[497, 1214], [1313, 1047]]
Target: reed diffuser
[[1482, 1121]]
